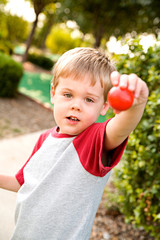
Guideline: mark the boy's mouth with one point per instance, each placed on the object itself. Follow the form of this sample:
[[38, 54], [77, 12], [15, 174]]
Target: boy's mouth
[[73, 119]]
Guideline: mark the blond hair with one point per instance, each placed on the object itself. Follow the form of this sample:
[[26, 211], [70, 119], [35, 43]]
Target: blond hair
[[79, 61]]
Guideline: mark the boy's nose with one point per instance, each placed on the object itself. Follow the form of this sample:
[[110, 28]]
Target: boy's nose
[[76, 105]]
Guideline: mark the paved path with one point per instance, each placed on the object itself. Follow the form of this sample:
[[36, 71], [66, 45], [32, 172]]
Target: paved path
[[13, 153]]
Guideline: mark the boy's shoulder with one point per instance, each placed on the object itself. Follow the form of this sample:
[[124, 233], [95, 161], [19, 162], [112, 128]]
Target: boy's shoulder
[[46, 133], [93, 129], [43, 136]]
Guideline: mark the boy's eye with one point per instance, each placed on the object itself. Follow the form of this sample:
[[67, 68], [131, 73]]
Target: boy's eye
[[89, 100], [68, 95]]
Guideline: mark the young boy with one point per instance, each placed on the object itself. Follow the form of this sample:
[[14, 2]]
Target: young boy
[[61, 185]]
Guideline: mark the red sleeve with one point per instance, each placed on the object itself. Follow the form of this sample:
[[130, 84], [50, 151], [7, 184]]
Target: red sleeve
[[89, 146], [19, 176]]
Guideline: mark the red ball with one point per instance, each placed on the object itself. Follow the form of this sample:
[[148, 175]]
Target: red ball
[[120, 99]]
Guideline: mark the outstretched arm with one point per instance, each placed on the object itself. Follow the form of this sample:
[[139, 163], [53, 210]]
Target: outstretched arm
[[125, 122], [9, 183]]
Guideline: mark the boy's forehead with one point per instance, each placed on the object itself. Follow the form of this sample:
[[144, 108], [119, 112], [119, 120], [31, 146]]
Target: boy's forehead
[[80, 77], [84, 79], [85, 85]]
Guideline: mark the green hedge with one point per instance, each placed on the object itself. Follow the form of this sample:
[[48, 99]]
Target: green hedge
[[40, 60], [10, 75], [138, 179]]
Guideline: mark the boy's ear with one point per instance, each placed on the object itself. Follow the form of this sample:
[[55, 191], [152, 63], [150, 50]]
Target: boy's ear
[[52, 93], [104, 109]]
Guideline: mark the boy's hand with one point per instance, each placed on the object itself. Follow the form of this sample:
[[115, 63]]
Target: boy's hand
[[134, 84], [122, 124]]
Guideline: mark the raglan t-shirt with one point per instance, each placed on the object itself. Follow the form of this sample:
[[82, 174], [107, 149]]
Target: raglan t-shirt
[[62, 184]]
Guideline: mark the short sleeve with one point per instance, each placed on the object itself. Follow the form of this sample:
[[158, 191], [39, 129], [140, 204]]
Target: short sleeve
[[89, 147]]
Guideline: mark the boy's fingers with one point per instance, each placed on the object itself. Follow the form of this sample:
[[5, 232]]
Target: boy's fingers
[[123, 81], [132, 82], [115, 76], [138, 88], [133, 79]]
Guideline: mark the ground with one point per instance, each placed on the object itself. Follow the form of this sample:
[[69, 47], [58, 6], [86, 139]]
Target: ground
[[22, 115]]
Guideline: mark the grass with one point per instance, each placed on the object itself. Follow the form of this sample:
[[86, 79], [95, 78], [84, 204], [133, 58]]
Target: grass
[[37, 86]]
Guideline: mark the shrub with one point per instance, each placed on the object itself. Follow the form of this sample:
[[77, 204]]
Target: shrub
[[40, 60], [6, 47], [10, 75], [138, 179]]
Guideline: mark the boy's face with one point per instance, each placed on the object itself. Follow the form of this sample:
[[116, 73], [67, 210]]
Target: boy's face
[[77, 104]]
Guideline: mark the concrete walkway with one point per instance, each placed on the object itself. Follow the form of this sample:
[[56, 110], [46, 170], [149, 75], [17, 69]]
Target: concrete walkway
[[13, 154]]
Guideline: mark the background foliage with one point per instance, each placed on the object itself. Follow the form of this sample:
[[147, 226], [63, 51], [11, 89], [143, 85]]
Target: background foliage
[[40, 60], [103, 18], [138, 179], [10, 75], [13, 28], [59, 40]]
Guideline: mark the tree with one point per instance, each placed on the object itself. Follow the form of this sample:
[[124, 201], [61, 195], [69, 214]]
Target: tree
[[43, 31], [39, 6], [106, 18]]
